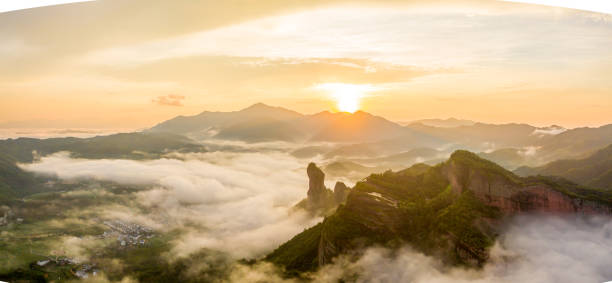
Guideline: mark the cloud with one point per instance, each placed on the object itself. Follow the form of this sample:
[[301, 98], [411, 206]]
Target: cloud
[[533, 249], [529, 150], [552, 130], [239, 203], [169, 100], [385, 33], [219, 200]]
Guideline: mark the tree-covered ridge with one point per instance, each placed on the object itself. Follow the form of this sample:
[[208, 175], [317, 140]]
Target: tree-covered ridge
[[453, 210], [14, 182], [414, 206], [126, 145]]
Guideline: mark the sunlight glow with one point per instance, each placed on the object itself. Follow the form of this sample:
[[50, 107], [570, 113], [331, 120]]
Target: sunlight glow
[[347, 96]]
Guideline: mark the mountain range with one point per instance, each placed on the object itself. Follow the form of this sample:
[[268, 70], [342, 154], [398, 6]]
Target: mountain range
[[367, 135], [260, 123], [353, 145]]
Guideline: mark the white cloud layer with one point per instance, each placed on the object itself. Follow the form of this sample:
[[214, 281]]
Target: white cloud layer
[[533, 250], [431, 37], [237, 203]]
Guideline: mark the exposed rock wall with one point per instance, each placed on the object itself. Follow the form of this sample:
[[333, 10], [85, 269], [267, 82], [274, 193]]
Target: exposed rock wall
[[316, 184], [514, 194], [341, 191]]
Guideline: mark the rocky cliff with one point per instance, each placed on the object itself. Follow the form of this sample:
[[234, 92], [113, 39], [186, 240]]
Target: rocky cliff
[[500, 188], [321, 200], [453, 210], [316, 184]]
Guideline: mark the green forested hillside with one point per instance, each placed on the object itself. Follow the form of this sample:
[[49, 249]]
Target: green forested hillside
[[452, 210]]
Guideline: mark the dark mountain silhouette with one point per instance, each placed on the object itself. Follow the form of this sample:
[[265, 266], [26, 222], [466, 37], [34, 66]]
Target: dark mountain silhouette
[[261, 122]]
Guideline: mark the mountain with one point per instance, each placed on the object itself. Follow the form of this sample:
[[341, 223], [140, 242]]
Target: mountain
[[443, 123], [481, 136], [16, 183], [402, 159], [321, 200], [234, 125], [350, 170], [12, 179], [593, 171], [509, 158], [260, 123], [126, 145], [574, 143], [350, 127], [454, 210], [369, 136]]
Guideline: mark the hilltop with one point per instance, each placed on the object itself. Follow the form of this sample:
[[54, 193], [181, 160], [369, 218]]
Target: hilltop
[[453, 210]]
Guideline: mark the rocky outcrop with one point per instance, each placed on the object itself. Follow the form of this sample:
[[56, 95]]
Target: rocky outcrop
[[316, 184], [341, 191], [500, 188], [320, 200]]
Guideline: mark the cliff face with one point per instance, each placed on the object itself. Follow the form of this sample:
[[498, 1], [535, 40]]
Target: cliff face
[[341, 192], [316, 183], [321, 200], [452, 210], [498, 187]]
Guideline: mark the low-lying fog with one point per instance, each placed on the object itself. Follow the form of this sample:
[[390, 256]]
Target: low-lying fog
[[240, 204]]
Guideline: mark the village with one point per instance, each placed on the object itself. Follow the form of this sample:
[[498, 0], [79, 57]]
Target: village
[[128, 234]]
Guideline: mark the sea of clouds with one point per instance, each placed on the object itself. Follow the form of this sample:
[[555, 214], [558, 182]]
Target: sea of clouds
[[240, 204]]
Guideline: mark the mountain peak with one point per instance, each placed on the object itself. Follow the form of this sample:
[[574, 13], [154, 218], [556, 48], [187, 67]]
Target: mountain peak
[[258, 106], [463, 161]]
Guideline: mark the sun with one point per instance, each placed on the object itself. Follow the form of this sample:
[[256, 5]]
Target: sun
[[347, 96], [347, 102]]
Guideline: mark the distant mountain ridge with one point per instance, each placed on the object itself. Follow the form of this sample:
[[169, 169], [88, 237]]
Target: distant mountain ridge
[[367, 135], [594, 170], [261, 122], [442, 123]]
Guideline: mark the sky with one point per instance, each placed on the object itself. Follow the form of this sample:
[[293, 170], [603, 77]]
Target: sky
[[133, 64]]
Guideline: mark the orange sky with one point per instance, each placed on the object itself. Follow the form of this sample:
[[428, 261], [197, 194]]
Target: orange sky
[[131, 64]]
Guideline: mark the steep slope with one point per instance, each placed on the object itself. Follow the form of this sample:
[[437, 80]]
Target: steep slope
[[320, 200], [453, 210], [14, 182], [593, 171]]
